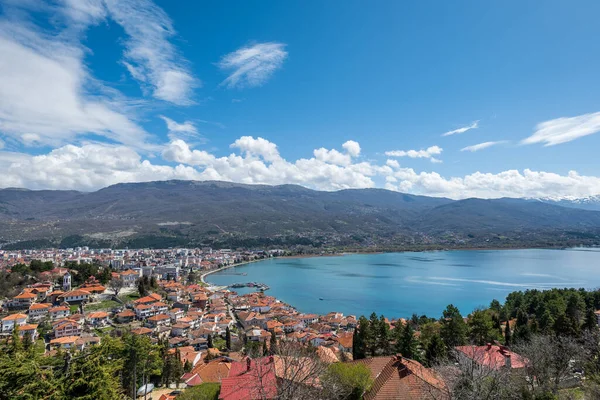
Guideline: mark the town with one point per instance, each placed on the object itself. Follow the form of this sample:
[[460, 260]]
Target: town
[[223, 338]]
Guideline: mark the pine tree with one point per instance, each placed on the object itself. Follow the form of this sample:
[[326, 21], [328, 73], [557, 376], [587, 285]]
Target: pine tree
[[383, 336], [373, 331], [409, 345], [360, 339], [522, 331], [591, 320], [265, 349], [435, 351], [210, 342], [454, 330], [228, 338]]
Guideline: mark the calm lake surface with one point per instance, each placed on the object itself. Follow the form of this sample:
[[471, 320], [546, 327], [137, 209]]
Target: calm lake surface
[[399, 284]]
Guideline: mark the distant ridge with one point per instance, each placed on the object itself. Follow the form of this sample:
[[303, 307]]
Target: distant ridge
[[173, 213]]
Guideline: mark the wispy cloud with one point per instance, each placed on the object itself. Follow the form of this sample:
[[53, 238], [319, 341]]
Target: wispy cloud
[[150, 57], [473, 125], [49, 97], [563, 130], [481, 146], [186, 130], [428, 153], [253, 65]]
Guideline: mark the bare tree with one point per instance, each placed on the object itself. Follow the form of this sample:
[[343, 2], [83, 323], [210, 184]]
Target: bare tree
[[552, 361], [116, 284], [469, 378]]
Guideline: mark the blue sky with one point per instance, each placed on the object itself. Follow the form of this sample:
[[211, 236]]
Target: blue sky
[[456, 99]]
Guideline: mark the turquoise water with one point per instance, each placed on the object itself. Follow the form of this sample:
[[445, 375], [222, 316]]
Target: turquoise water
[[399, 284]]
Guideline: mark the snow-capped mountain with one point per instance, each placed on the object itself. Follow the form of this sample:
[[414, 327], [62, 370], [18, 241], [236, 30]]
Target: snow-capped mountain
[[585, 203]]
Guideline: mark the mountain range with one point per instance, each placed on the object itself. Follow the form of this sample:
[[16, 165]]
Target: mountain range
[[182, 213]]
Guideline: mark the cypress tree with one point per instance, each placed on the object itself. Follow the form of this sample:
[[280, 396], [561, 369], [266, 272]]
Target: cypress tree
[[507, 336], [210, 342], [591, 321], [228, 338]]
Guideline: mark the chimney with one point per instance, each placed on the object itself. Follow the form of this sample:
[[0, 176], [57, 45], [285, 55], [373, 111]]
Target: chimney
[[489, 346], [507, 361], [248, 363], [271, 359], [398, 357]]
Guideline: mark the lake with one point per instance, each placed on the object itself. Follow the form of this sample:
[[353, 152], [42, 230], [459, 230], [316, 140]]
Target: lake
[[400, 284]]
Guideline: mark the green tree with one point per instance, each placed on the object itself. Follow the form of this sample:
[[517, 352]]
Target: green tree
[[228, 338], [522, 331], [383, 337], [409, 345], [209, 342], [205, 391], [373, 338], [273, 343], [346, 381], [360, 339], [454, 329], [435, 351], [481, 328], [591, 320], [507, 334]]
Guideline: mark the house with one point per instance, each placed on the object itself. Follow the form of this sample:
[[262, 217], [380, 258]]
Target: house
[[250, 379], [66, 327], [180, 329], [492, 356], [29, 329], [258, 335], [143, 331], [158, 320], [160, 307], [76, 296], [125, 316], [97, 319], [59, 312], [176, 314], [143, 311], [344, 342], [214, 370], [24, 300], [9, 322], [38, 311], [397, 377], [66, 342], [130, 277]]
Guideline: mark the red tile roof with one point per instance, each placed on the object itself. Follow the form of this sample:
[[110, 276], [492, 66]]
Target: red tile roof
[[250, 379], [401, 378], [493, 356]]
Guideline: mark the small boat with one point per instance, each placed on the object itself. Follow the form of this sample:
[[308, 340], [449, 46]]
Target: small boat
[[320, 298]]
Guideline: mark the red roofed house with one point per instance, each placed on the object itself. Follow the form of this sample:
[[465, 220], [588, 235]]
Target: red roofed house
[[250, 379], [24, 300], [66, 327], [99, 318], [9, 322], [38, 310], [130, 277], [59, 312], [76, 296], [29, 329], [397, 377], [492, 356]]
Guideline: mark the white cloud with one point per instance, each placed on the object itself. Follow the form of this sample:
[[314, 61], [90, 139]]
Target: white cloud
[[150, 57], [92, 166], [481, 146], [87, 167], [473, 125], [253, 65], [511, 183], [43, 84], [352, 147], [566, 129], [428, 153], [186, 130]]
